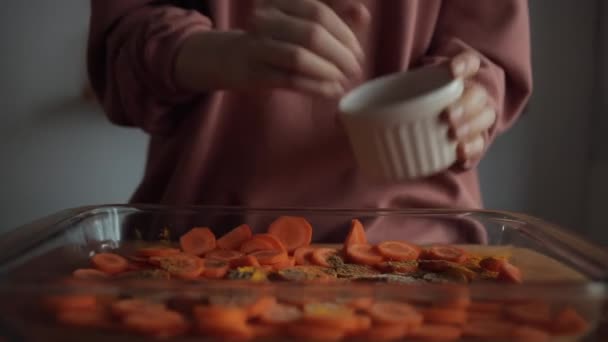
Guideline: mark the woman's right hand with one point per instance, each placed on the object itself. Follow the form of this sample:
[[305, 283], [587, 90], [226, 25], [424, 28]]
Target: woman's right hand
[[300, 45]]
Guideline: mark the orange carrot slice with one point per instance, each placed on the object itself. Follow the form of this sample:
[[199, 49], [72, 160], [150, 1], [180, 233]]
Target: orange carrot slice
[[110, 263], [235, 238], [198, 241], [261, 242], [244, 261], [270, 257], [356, 235], [85, 319], [509, 273], [223, 254], [364, 255], [261, 305], [395, 313], [225, 322], [445, 252], [126, 307], [320, 255], [184, 266], [215, 269], [569, 322], [293, 232], [362, 324], [158, 323], [71, 302], [279, 314], [491, 264], [89, 273], [303, 255], [436, 332], [330, 315], [398, 250], [289, 262], [157, 251], [445, 316]]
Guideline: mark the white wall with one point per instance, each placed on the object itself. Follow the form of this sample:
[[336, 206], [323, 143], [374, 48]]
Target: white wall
[[58, 153], [55, 151]]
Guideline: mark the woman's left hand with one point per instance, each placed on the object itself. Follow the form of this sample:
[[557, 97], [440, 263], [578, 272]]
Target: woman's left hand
[[473, 114]]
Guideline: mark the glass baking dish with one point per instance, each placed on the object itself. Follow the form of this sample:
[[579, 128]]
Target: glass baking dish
[[559, 267]]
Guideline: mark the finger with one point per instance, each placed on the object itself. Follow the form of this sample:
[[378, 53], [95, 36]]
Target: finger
[[354, 13], [316, 38], [296, 60], [478, 124], [472, 149], [316, 11], [465, 65], [473, 100], [270, 77]]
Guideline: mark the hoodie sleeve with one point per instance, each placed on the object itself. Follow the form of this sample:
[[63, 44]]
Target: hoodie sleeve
[[131, 55], [499, 32]]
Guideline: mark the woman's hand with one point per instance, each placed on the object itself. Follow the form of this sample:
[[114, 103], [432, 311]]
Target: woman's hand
[[472, 115], [299, 45]]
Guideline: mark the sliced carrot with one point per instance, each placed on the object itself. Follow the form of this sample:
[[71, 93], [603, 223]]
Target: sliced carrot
[[260, 305], [303, 255], [262, 242], [158, 323], [362, 324], [486, 307], [395, 313], [270, 257], [386, 332], [356, 235], [198, 241], [569, 322], [509, 273], [490, 330], [445, 252], [244, 261], [227, 322], [360, 304], [223, 254], [89, 273], [184, 266], [311, 331], [364, 255], [491, 264], [331, 315], [436, 332], [320, 256], [535, 313], [445, 316], [398, 250], [524, 333], [109, 263], [235, 238], [71, 302], [293, 232], [215, 269], [126, 307], [157, 251], [86, 319], [280, 314], [287, 263]]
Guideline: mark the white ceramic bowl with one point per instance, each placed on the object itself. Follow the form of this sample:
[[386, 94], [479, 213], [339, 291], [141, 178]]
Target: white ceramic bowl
[[394, 126]]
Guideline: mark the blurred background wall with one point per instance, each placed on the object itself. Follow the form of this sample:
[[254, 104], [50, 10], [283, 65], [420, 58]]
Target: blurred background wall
[[57, 151]]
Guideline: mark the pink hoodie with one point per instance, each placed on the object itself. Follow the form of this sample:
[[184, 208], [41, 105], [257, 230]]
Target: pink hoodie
[[281, 149]]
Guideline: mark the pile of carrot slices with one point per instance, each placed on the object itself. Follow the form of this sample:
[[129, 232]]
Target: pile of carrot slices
[[285, 246]]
